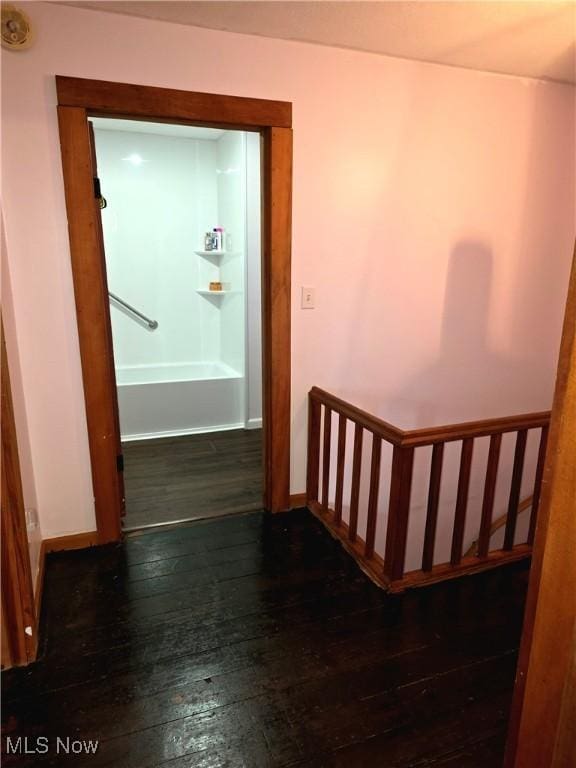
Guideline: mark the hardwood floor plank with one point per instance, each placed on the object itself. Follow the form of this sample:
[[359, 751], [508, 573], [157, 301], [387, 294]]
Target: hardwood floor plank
[[340, 678], [192, 477], [251, 640]]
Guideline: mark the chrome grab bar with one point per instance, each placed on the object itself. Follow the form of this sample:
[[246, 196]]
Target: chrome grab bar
[[152, 324]]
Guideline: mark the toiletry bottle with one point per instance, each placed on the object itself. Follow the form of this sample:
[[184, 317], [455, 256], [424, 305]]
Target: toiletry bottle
[[219, 238]]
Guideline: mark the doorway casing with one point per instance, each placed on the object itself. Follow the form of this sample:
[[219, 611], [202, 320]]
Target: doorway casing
[[78, 100]]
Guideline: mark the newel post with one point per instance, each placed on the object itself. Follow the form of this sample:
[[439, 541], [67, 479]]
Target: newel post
[[398, 512], [313, 466]]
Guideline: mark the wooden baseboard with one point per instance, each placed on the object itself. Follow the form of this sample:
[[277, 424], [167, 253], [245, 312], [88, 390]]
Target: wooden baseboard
[[297, 500], [467, 567], [73, 541], [373, 567]]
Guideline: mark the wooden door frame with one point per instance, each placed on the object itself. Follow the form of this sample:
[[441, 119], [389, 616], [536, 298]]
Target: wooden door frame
[[20, 625], [79, 99], [542, 731]]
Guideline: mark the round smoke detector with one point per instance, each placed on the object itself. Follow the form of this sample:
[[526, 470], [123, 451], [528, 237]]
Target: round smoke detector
[[16, 29]]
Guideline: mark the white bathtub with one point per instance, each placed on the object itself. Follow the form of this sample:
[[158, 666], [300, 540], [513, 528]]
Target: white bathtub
[[179, 399]]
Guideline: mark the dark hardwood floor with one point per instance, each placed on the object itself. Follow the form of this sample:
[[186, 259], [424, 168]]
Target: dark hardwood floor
[[192, 477], [254, 640]]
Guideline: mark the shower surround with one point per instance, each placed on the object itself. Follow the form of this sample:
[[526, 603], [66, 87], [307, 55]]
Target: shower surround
[[165, 186]]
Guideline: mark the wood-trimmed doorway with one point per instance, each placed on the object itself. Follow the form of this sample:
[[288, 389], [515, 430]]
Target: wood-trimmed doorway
[[79, 99]]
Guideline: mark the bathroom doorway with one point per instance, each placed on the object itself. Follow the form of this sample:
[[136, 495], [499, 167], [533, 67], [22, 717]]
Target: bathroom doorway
[[181, 222], [80, 100]]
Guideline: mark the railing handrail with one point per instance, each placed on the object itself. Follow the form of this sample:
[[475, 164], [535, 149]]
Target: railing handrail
[[483, 428], [389, 570], [378, 426], [152, 324], [429, 435]]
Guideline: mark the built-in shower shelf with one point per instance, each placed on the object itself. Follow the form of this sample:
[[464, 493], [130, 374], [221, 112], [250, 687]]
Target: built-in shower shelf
[[204, 292], [207, 254]]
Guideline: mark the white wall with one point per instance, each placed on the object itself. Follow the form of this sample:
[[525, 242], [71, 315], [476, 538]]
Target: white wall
[[231, 175], [156, 217], [163, 193], [429, 201], [253, 283]]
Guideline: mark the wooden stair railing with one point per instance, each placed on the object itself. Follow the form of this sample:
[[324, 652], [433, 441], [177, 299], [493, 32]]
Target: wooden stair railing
[[389, 570]]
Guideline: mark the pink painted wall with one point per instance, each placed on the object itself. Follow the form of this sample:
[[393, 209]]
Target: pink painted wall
[[433, 212]]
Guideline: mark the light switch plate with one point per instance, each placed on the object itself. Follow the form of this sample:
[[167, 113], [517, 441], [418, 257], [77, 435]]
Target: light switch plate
[[307, 298]]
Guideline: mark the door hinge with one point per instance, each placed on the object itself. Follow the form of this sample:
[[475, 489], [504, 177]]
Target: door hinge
[[120, 462], [98, 193]]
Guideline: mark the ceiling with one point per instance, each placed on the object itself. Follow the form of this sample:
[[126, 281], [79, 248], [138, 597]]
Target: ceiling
[[531, 39], [159, 129]]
